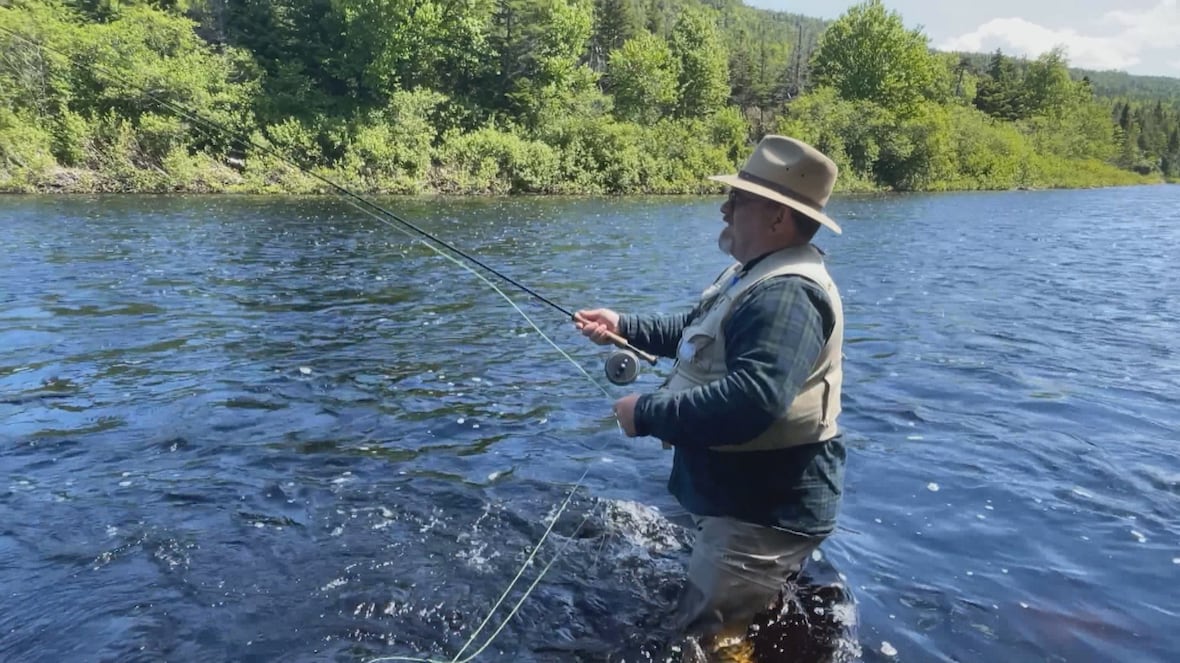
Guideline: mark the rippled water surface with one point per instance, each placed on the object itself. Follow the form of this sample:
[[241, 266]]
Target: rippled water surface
[[277, 430]]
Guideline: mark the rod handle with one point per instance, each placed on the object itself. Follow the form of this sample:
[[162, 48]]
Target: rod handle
[[620, 342]]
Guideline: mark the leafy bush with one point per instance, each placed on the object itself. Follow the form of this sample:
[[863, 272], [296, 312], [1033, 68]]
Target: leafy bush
[[490, 161], [25, 153]]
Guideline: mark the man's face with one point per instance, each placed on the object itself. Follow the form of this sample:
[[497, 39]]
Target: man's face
[[748, 220]]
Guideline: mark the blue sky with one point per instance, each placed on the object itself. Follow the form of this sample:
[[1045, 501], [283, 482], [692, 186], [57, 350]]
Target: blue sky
[[1136, 36]]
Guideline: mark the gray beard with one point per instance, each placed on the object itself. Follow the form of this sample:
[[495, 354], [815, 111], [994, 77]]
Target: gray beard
[[725, 242]]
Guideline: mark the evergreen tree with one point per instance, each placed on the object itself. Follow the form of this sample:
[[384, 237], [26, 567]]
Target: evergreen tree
[[615, 21], [1000, 93]]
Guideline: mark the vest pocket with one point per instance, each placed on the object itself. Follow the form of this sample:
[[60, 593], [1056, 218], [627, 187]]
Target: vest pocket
[[697, 352]]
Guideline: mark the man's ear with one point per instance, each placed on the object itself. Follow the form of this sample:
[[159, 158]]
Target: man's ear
[[783, 216]]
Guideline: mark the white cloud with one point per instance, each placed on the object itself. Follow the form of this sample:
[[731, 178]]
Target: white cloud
[[1158, 27], [1134, 33], [1024, 38]]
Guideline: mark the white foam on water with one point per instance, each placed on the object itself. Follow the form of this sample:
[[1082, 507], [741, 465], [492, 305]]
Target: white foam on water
[[430, 525], [306, 370], [338, 582], [641, 525], [932, 487], [888, 649], [845, 614], [124, 484], [1139, 536], [914, 437], [475, 558], [1023, 604], [1176, 560], [1080, 492]]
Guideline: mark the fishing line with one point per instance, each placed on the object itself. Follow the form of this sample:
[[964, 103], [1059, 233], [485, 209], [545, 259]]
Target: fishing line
[[375, 211], [226, 131]]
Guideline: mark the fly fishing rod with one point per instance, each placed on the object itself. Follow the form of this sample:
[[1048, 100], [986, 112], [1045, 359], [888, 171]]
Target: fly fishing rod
[[621, 367], [629, 365]]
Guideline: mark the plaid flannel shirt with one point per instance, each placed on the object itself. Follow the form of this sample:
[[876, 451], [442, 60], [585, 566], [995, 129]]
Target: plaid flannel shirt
[[773, 338]]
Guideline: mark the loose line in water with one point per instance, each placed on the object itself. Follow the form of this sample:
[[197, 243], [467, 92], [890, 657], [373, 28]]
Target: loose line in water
[[376, 211]]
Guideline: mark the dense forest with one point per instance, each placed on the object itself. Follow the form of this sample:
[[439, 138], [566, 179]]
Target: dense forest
[[540, 96]]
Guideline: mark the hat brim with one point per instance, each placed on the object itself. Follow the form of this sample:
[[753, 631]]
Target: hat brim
[[770, 194]]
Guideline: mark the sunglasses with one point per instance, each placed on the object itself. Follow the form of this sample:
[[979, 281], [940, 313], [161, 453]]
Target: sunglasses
[[736, 198]]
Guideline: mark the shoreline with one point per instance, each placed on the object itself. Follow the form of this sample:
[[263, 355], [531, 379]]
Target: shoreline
[[76, 182]]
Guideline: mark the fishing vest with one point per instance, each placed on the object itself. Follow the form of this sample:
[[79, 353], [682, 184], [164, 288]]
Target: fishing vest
[[811, 417]]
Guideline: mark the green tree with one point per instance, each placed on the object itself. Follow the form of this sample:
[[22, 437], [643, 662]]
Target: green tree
[[659, 16], [1170, 163], [615, 21], [392, 45], [540, 45], [704, 74], [1048, 87], [1001, 93], [743, 74], [643, 77], [869, 54]]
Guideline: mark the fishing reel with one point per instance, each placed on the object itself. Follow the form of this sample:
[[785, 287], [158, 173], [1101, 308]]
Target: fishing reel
[[622, 367]]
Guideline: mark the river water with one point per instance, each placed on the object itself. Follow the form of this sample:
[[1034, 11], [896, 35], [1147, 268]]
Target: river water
[[274, 429]]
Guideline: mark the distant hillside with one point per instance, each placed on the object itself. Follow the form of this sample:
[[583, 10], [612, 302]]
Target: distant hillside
[[1114, 84], [1138, 88]]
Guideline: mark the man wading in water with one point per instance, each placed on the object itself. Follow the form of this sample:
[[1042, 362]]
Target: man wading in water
[[752, 402]]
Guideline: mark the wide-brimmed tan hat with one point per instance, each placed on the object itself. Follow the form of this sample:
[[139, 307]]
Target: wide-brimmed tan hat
[[790, 172]]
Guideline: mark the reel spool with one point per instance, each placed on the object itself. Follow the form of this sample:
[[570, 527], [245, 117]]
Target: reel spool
[[622, 367]]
